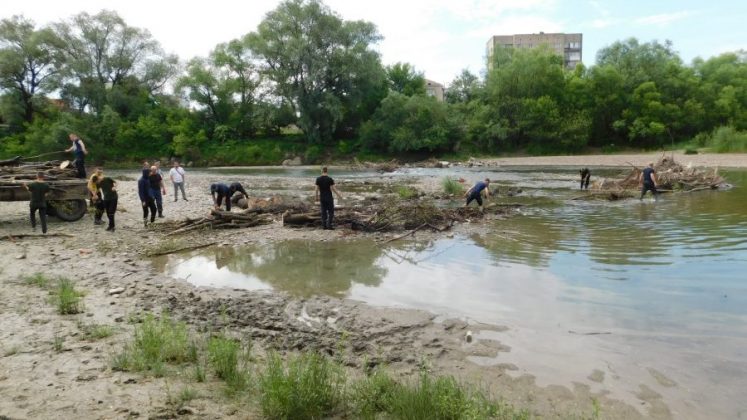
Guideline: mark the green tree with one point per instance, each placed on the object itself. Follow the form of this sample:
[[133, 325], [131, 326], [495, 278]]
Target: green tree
[[464, 88], [319, 63], [404, 79], [29, 67]]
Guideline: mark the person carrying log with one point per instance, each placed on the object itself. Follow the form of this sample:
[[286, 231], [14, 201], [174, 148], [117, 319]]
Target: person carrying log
[[647, 181], [475, 193], [146, 197], [79, 151], [220, 192], [38, 190], [97, 201], [108, 187], [157, 188], [585, 178], [324, 188]]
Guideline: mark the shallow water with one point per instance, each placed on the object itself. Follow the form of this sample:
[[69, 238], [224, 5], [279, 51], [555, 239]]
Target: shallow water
[[665, 281]]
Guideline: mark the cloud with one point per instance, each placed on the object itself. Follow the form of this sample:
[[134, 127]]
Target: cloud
[[664, 19]]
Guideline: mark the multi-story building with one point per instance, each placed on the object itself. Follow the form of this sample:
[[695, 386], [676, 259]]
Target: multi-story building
[[434, 89], [567, 46]]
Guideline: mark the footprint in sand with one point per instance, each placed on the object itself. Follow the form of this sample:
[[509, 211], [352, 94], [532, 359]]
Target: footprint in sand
[[661, 379], [596, 376]]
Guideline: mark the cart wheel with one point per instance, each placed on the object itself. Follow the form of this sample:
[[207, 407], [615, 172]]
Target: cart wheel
[[68, 210]]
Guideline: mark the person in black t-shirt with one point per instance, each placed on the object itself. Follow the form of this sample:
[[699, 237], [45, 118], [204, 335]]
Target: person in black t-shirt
[[108, 187], [38, 190], [585, 178], [647, 181], [324, 188]]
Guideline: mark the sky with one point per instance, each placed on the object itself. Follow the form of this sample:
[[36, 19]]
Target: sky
[[438, 37]]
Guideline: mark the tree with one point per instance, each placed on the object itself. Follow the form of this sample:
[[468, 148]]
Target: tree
[[29, 67], [464, 88], [102, 51], [404, 79], [322, 65], [242, 79]]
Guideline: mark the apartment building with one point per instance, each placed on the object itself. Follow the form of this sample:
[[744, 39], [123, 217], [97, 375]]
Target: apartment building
[[568, 46]]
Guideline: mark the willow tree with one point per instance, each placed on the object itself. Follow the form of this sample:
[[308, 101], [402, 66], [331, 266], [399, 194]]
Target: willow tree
[[321, 64]]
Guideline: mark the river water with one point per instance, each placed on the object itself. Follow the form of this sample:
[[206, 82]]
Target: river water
[[651, 294]]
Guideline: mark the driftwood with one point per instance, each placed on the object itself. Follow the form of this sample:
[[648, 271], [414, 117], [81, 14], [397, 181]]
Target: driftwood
[[220, 219], [182, 249], [34, 236], [421, 227]]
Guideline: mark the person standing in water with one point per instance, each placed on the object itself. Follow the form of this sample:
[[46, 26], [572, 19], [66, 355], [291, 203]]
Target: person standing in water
[[475, 193], [647, 181], [585, 178], [324, 188]]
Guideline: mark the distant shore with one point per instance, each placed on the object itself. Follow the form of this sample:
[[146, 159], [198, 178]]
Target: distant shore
[[724, 160]]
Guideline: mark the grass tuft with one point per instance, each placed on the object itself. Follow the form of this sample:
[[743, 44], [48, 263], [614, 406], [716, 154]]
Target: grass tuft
[[66, 298], [406, 192], [93, 332], [307, 386], [58, 343], [225, 356], [452, 186], [157, 341], [37, 279]]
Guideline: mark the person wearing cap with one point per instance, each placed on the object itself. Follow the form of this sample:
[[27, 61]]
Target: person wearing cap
[[475, 193]]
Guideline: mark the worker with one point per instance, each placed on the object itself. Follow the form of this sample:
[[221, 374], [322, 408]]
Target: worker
[[108, 188], [79, 151], [220, 192], [97, 202], [647, 181], [324, 188], [475, 193], [146, 197], [157, 188], [585, 177], [38, 190], [177, 178]]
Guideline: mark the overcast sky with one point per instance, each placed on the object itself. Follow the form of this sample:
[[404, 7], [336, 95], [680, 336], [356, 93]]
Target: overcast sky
[[439, 37]]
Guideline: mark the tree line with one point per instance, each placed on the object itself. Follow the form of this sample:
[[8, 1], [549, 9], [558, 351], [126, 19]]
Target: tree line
[[308, 82]]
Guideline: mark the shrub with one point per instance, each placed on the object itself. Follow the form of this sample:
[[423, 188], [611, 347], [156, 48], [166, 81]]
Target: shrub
[[225, 354], [451, 186], [728, 139]]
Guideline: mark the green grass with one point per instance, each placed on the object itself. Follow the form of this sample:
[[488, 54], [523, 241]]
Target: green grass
[[37, 279], [405, 192], [157, 342], [67, 300], [93, 332], [58, 343], [452, 186], [226, 357], [307, 386]]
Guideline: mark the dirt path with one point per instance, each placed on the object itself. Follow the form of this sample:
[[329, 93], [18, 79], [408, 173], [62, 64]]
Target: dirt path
[[50, 367]]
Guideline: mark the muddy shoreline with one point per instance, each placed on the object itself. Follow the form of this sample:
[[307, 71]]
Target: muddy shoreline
[[40, 382]]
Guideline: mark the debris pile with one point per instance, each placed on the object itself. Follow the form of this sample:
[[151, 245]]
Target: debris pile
[[17, 170], [219, 219]]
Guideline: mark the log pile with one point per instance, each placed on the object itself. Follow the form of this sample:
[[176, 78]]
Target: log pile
[[382, 167], [14, 170], [671, 177], [219, 219]]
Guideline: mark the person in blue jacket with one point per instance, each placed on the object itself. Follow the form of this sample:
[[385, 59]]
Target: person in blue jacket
[[146, 197], [221, 192]]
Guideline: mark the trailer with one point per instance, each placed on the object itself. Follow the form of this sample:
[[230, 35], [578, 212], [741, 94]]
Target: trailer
[[67, 197]]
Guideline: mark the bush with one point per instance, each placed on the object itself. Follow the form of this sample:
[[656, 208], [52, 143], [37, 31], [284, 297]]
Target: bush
[[406, 192], [727, 139], [225, 357]]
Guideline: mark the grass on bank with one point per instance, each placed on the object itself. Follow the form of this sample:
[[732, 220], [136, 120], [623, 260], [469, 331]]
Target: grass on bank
[[306, 385], [406, 192], [452, 186]]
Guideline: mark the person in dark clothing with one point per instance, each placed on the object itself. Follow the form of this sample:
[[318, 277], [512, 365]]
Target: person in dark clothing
[[38, 190], [157, 188], [221, 192], [647, 181], [475, 193], [585, 177], [146, 197], [324, 188], [79, 151], [108, 188]]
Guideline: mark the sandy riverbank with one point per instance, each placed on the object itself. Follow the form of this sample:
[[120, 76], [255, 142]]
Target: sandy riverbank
[[38, 379], [722, 160]]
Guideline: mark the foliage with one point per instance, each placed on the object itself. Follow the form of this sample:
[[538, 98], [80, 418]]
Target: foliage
[[225, 356], [66, 298], [728, 139], [306, 387], [451, 186], [404, 79]]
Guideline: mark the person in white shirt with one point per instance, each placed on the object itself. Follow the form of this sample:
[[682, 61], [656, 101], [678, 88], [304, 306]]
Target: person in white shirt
[[177, 177]]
